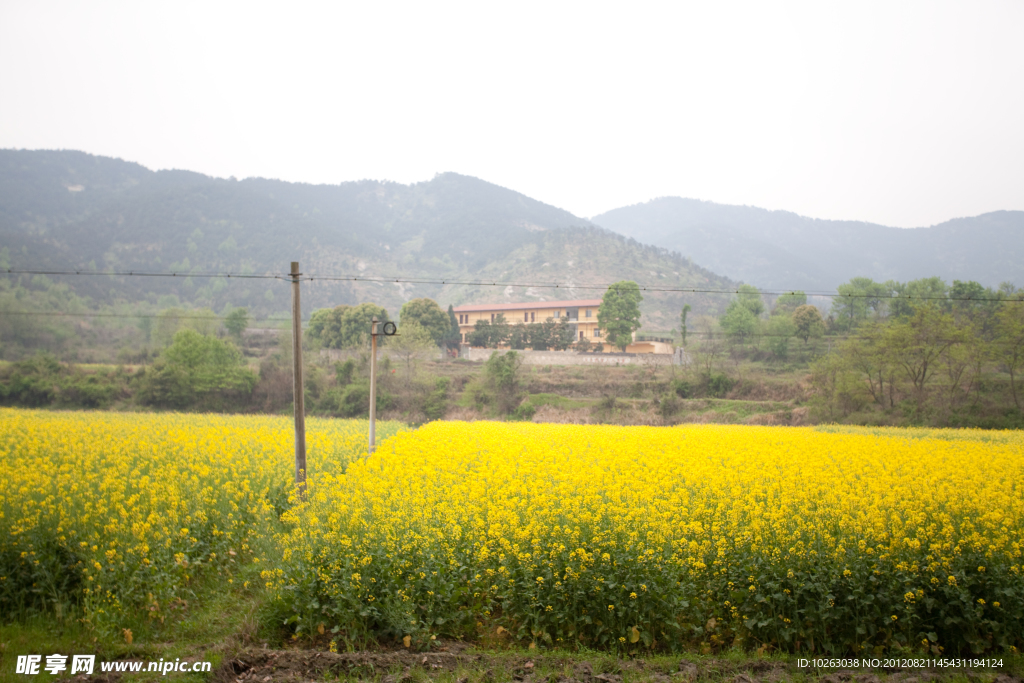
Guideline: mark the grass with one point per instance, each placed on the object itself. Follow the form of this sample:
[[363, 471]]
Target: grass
[[221, 620], [556, 401]]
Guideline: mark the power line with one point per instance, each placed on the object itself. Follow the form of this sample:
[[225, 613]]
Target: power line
[[496, 283], [141, 273], [62, 314]]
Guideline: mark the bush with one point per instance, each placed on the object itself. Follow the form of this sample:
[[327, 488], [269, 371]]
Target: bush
[[524, 412], [436, 403], [668, 406], [195, 367], [719, 385], [682, 388], [355, 401]]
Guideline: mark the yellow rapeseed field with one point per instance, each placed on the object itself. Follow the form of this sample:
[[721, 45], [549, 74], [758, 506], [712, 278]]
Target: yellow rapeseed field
[[812, 540], [120, 511], [648, 537]]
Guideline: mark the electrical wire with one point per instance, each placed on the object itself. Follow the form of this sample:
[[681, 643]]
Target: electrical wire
[[495, 283]]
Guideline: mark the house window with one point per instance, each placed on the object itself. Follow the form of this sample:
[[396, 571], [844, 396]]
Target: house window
[[532, 318], [597, 332], [588, 312], [581, 334], [492, 317], [526, 317]]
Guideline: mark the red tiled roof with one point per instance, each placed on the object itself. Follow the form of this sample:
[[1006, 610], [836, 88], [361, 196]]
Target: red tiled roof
[[575, 303]]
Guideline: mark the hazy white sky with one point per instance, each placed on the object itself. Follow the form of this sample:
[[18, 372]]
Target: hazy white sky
[[901, 113]]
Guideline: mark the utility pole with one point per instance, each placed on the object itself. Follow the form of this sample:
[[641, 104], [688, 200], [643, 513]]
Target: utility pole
[[373, 384], [387, 329], [297, 387]]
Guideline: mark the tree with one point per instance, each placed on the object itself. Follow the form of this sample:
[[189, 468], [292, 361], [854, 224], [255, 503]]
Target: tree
[[195, 366], [808, 322], [682, 318], [857, 299], [1008, 345], [453, 339], [540, 334], [518, 337], [236, 321], [738, 321], [481, 334], [750, 298], [709, 346], [500, 331], [917, 344], [780, 330], [428, 315], [169, 321], [907, 298], [562, 336], [411, 342], [345, 327], [503, 373], [789, 302], [619, 313]]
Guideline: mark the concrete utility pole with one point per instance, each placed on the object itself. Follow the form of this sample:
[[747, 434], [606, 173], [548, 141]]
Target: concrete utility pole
[[297, 387], [376, 328], [374, 323]]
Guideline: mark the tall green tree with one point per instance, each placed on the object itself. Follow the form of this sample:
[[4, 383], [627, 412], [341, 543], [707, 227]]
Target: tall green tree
[[345, 327], [428, 315], [857, 299], [749, 297], [193, 367], [780, 330], [412, 342], [490, 335], [907, 297], [808, 322], [682, 320], [453, 339], [562, 335], [1008, 346], [503, 373], [169, 321], [236, 322], [789, 302], [619, 313]]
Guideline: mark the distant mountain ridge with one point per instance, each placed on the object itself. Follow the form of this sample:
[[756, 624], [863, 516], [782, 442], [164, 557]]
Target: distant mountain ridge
[[782, 250], [66, 210]]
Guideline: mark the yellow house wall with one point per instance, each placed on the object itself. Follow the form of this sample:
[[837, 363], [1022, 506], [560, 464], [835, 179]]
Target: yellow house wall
[[585, 324]]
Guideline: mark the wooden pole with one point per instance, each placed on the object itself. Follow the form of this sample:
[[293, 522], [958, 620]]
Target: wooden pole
[[374, 331], [297, 388]]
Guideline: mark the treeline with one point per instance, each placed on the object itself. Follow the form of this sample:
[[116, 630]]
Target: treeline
[[197, 360], [543, 336], [916, 353], [925, 352]]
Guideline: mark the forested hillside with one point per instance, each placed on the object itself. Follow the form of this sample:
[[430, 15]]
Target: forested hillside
[[70, 210]]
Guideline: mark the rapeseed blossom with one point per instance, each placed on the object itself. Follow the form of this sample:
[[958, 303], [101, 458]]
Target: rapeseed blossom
[[804, 539], [120, 512]]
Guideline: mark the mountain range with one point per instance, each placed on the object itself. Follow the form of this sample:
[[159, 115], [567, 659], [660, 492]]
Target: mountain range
[[68, 210], [782, 250]]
